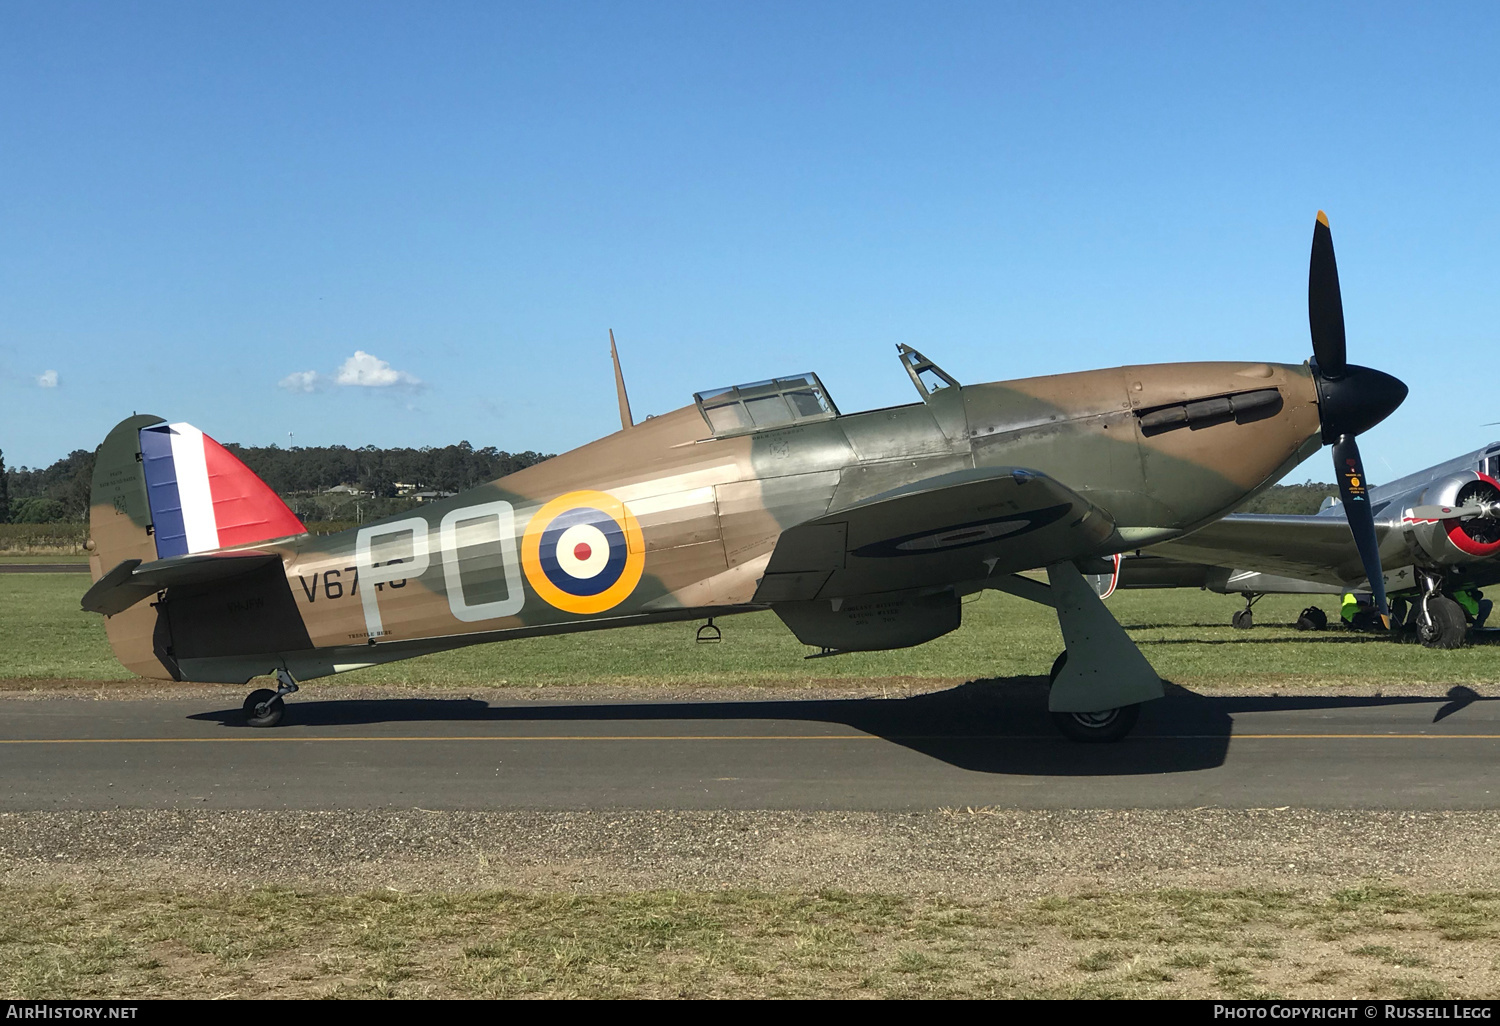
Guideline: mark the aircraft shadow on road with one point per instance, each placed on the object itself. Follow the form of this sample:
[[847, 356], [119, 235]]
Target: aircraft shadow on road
[[989, 726]]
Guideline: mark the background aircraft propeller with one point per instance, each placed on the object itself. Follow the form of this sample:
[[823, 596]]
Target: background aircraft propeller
[[1351, 400]]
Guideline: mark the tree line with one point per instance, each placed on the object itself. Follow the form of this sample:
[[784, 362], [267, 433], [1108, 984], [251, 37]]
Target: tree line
[[60, 492], [1306, 497]]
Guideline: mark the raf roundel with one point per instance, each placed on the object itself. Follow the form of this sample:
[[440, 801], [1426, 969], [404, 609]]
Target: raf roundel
[[583, 552]]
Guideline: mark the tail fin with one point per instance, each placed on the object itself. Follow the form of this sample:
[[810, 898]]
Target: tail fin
[[203, 498], [163, 490]]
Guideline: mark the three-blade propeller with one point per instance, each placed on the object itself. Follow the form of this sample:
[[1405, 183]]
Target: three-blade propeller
[[1351, 400]]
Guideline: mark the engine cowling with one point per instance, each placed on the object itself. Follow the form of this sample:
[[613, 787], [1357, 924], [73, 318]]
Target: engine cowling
[[1455, 540]]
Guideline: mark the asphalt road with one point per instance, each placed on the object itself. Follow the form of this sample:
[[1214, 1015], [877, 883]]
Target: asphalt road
[[977, 745]]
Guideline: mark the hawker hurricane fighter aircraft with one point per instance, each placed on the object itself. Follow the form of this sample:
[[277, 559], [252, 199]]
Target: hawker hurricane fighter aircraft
[[861, 531], [1438, 532]]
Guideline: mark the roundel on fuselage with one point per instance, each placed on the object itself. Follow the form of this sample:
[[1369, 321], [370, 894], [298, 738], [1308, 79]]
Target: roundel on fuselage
[[583, 552]]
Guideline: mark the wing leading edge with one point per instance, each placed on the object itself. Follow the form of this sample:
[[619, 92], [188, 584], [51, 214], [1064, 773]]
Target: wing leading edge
[[1311, 548], [959, 526]]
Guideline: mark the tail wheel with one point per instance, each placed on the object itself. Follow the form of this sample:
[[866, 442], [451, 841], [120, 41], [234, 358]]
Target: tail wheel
[[1243, 620], [1103, 727], [1444, 625], [263, 708]]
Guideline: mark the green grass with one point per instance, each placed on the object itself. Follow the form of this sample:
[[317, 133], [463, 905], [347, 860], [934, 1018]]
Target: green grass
[[136, 942], [1185, 634]]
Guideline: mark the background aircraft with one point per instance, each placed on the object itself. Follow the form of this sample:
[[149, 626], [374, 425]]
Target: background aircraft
[[1438, 532], [861, 531]]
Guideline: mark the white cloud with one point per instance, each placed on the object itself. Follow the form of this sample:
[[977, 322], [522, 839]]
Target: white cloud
[[362, 370], [47, 379], [302, 381], [366, 371]]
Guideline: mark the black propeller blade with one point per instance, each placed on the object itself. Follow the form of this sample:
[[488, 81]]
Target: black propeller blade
[[1325, 306], [1351, 400], [1352, 490]]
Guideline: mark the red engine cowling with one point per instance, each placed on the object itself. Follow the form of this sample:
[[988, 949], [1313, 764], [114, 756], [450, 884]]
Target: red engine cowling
[[1449, 541]]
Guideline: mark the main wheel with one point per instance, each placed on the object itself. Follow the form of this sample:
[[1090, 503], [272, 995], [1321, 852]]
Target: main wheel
[[263, 708], [1095, 727], [1103, 727], [1244, 620], [1312, 619], [1444, 625]]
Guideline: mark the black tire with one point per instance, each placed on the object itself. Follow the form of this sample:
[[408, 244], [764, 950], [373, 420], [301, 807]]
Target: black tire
[[1444, 626], [1243, 620], [263, 708], [1097, 728], [1091, 728], [1312, 619]]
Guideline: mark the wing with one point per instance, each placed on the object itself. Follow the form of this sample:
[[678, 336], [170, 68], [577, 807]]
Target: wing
[[1309, 548], [952, 528]]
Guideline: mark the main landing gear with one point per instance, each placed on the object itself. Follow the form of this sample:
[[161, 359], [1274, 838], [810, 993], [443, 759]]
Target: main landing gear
[[264, 707], [1098, 684], [1440, 620], [1102, 727]]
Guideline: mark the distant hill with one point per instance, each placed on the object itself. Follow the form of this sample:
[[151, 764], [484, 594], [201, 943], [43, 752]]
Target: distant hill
[[318, 468], [60, 493], [1306, 497]]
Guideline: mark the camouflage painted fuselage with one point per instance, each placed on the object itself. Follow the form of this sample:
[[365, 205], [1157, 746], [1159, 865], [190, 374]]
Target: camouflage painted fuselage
[[699, 518]]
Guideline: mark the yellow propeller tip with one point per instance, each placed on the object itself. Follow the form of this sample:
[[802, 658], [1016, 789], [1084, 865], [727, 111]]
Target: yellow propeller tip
[[1323, 219], [1385, 620]]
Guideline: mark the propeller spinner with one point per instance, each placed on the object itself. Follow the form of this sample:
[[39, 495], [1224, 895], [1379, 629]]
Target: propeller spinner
[[1351, 400]]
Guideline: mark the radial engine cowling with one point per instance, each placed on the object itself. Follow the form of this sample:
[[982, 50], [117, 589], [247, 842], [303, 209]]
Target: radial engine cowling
[[1455, 540]]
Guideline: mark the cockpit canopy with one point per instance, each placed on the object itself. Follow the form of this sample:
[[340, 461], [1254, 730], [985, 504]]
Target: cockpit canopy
[[1489, 463], [763, 405]]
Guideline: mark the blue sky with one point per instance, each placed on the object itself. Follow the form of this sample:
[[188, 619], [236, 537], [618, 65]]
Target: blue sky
[[207, 210]]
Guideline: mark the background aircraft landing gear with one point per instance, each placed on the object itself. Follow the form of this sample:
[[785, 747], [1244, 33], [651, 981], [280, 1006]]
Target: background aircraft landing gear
[[1244, 619], [1440, 620], [264, 707], [1440, 623], [1103, 727]]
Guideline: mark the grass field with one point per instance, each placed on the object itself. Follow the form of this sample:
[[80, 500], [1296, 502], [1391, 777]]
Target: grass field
[[1362, 942], [1185, 634]]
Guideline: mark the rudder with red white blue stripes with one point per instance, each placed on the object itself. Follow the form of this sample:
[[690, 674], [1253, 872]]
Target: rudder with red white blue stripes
[[203, 498]]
